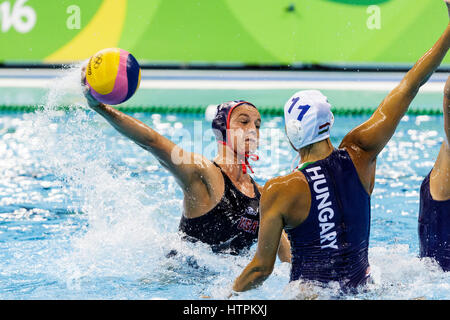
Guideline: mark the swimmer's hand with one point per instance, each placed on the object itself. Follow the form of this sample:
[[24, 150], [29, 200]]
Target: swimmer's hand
[[92, 102]]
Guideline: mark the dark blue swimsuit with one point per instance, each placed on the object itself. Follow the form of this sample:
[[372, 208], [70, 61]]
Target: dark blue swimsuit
[[332, 243], [434, 226], [231, 226]]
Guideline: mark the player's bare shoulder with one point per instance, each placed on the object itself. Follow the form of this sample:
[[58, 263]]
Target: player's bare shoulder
[[290, 194], [289, 184]]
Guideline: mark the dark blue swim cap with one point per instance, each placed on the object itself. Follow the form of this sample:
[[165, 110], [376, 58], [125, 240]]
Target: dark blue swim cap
[[221, 121]]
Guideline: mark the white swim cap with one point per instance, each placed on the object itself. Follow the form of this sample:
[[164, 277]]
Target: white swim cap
[[308, 118]]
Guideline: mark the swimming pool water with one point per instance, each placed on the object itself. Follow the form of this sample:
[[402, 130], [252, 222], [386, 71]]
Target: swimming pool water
[[87, 214]]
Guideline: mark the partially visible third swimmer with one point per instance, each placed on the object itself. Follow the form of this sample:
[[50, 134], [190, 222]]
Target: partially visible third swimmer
[[434, 214], [324, 205]]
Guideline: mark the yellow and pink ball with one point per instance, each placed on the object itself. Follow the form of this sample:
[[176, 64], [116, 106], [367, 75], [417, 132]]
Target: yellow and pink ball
[[113, 75]]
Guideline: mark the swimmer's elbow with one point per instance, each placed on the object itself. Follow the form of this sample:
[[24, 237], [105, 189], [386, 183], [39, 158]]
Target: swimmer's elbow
[[261, 279], [262, 271], [252, 277], [266, 272], [259, 276]]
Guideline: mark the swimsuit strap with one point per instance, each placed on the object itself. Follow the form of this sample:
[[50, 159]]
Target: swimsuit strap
[[228, 180]]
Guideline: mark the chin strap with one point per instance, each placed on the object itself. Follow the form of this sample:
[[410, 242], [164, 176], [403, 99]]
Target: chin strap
[[244, 163], [296, 160]]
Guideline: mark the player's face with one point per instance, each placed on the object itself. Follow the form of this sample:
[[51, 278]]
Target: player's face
[[244, 127]]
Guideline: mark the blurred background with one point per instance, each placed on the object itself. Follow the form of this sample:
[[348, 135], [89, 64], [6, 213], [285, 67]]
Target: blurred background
[[216, 50], [222, 32]]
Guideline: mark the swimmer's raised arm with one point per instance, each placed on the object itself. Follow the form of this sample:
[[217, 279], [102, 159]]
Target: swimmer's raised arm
[[372, 136], [366, 141], [180, 163]]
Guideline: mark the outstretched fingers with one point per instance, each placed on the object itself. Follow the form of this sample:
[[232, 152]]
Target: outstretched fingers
[[92, 102]]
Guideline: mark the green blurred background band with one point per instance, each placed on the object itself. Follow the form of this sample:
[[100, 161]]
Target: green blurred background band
[[222, 32]]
